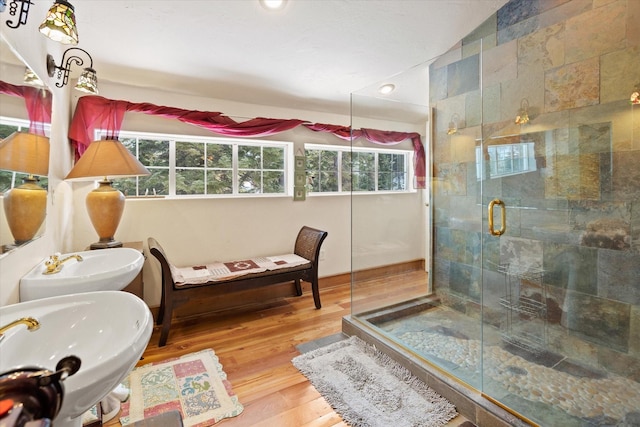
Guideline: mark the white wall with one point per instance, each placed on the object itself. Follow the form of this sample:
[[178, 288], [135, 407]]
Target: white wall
[[32, 49], [193, 231]]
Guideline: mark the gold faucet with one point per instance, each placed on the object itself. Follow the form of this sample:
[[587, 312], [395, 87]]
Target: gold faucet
[[54, 263], [32, 325]]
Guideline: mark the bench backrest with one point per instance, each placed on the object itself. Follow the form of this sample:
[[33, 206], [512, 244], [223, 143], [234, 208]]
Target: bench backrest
[[157, 251], [308, 243]]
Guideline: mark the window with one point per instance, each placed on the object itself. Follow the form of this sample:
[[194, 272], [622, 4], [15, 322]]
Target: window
[[186, 166], [333, 169], [506, 159], [9, 179], [154, 155]]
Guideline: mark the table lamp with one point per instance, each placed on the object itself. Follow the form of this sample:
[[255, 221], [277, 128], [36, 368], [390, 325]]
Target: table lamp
[[25, 206], [105, 204]]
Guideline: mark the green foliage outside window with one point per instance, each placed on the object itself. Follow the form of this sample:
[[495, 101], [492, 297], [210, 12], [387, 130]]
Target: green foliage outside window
[[362, 167], [322, 170], [220, 169], [391, 171], [273, 158], [204, 167], [154, 155], [337, 170], [6, 176], [261, 169], [6, 130], [226, 167]]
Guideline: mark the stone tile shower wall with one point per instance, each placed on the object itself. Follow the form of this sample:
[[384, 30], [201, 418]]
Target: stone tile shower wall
[[577, 216]]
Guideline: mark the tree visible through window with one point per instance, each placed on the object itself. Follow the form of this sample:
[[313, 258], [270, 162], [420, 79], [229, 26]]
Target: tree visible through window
[[185, 166], [154, 155], [392, 171], [338, 169], [260, 169], [322, 170]]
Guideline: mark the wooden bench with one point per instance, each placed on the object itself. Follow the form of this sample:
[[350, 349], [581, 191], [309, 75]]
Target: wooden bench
[[177, 292]]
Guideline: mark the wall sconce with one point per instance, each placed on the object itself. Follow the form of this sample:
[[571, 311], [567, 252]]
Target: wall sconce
[[25, 206], [88, 80], [453, 124], [32, 78], [634, 99], [523, 114], [24, 12], [60, 23], [105, 204]]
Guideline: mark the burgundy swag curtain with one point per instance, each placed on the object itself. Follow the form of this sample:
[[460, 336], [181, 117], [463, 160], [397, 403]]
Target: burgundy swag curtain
[[95, 112], [37, 101]]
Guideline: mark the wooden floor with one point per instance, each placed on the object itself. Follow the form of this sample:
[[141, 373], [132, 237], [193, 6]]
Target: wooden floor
[[256, 347]]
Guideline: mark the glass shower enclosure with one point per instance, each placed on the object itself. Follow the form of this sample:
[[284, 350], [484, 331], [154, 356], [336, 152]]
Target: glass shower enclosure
[[530, 295]]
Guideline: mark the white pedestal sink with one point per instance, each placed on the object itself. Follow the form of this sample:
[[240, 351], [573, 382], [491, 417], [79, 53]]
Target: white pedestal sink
[[100, 270], [107, 330]]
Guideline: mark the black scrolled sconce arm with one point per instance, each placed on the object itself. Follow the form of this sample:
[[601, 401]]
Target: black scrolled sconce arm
[[24, 12], [65, 65]]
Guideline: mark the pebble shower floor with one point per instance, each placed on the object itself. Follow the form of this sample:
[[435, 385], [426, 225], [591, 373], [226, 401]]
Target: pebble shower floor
[[577, 397]]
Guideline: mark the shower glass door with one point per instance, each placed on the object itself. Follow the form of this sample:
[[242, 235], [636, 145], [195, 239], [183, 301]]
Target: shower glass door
[[525, 191], [559, 201]]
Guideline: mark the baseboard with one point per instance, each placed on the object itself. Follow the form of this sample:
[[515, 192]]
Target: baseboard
[[388, 270]]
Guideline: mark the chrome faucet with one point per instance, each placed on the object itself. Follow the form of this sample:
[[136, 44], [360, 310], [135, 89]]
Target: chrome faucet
[[54, 263], [32, 325]]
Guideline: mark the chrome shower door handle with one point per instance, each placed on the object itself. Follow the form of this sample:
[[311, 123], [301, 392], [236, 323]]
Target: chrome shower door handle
[[503, 216]]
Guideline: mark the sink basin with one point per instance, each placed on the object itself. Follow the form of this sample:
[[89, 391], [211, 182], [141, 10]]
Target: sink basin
[[100, 270], [107, 330]]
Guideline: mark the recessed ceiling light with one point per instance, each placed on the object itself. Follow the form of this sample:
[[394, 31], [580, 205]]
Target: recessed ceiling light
[[273, 4], [386, 89]]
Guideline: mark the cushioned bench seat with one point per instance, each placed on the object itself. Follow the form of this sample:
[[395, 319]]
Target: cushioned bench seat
[[225, 271], [180, 284]]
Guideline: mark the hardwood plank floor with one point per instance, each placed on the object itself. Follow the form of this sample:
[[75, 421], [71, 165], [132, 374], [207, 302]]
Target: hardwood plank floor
[[256, 347]]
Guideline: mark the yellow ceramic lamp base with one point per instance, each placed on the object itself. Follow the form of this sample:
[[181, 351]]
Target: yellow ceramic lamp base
[[25, 208], [105, 205]]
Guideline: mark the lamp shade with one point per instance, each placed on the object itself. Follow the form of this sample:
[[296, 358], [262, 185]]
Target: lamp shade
[[88, 81], [31, 78], [60, 23], [106, 158], [25, 152], [105, 204]]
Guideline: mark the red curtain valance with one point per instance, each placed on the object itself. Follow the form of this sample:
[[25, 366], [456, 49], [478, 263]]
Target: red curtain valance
[[37, 101], [95, 112]]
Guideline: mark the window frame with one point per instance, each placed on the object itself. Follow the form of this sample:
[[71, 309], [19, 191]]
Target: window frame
[[506, 153], [172, 168], [408, 156]]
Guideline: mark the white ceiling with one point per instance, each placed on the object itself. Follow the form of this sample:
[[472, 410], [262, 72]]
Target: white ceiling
[[311, 55]]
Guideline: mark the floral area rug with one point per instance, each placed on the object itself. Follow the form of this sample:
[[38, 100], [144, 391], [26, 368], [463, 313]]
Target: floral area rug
[[369, 389], [193, 384]]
